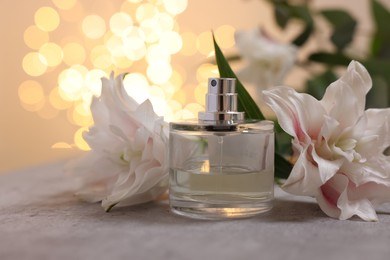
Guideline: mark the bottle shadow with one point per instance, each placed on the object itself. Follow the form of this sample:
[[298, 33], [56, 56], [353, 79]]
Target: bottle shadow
[[65, 204], [293, 211]]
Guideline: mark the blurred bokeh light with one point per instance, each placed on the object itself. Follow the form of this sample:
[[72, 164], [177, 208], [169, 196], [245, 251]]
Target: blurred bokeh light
[[138, 38]]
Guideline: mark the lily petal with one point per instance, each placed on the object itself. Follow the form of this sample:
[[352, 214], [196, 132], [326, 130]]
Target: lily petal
[[299, 114]]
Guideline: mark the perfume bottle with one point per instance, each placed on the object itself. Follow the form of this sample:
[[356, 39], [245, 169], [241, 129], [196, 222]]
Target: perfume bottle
[[221, 166]]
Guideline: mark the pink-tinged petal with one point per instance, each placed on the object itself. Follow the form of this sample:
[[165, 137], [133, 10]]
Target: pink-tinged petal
[[373, 171], [94, 176], [327, 168], [304, 178], [362, 208], [125, 169], [329, 194], [329, 130], [299, 114], [348, 94], [358, 77], [160, 140], [374, 192], [342, 105], [150, 182], [146, 115], [334, 200], [378, 123], [140, 139], [120, 96]]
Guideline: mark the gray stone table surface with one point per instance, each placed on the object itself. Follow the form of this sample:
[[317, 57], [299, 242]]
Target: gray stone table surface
[[41, 219]]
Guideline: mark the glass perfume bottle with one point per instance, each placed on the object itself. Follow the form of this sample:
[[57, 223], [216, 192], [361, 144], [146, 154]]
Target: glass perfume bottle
[[221, 166]]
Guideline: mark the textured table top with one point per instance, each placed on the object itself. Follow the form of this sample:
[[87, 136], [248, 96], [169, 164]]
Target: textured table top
[[41, 219]]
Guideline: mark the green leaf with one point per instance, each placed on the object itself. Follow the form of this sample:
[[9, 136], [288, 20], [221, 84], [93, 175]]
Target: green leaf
[[379, 70], [282, 141], [304, 36], [344, 26], [332, 59], [380, 45], [248, 105], [316, 86], [282, 167], [378, 96], [245, 101], [282, 14], [302, 12]]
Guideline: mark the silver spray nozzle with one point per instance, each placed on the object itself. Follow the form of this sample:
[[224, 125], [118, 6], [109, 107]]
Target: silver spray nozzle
[[221, 101]]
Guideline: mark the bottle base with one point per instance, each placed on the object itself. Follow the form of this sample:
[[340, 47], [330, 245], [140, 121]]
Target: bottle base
[[204, 211]]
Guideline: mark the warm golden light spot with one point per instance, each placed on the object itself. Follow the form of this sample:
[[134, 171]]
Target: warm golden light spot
[[205, 71], [81, 117], [114, 45], [64, 4], [146, 11], [47, 111], [93, 81], [99, 50], [74, 53], [184, 115], [179, 76], [52, 53], [61, 145], [30, 92], [189, 44], [159, 72], [174, 105], [141, 30], [156, 91], [75, 14], [70, 82], [165, 22], [35, 37], [93, 26], [47, 19], [79, 140], [151, 30], [157, 53], [169, 89], [34, 64], [137, 86], [83, 109], [175, 6], [35, 107], [119, 22], [128, 8], [57, 101], [200, 93], [80, 68], [101, 57], [180, 96], [121, 62], [159, 105], [225, 36], [133, 44], [135, 54], [171, 41], [194, 108], [204, 43]]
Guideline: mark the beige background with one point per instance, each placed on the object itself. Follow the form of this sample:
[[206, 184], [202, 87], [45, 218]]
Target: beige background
[[26, 139]]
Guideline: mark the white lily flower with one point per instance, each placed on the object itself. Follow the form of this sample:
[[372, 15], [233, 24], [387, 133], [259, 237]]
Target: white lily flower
[[268, 61], [128, 162], [340, 145]]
